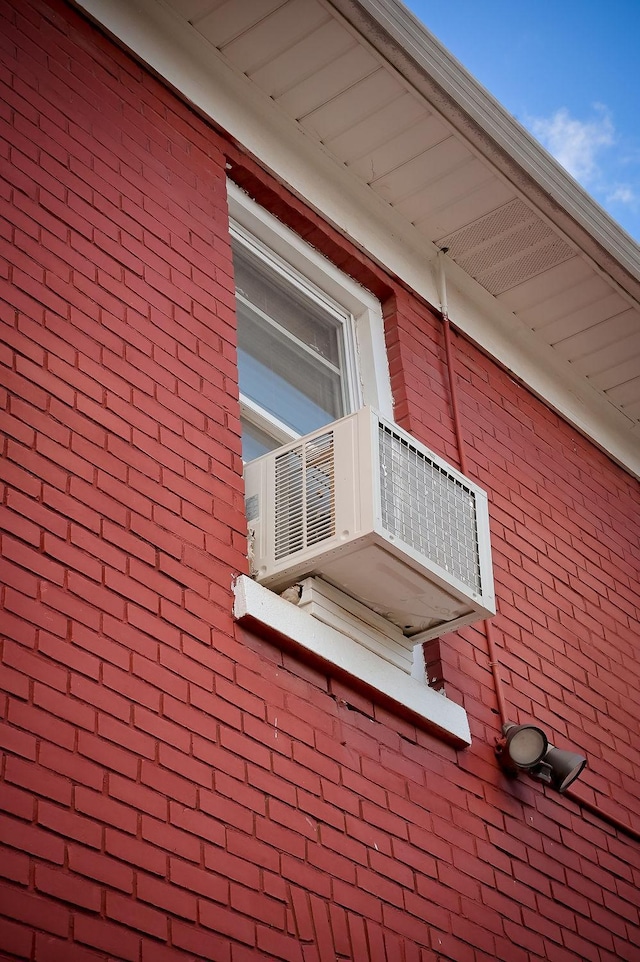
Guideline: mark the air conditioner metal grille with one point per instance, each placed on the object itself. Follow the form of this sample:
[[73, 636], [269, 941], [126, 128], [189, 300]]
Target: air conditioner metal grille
[[374, 514], [304, 495], [428, 508]]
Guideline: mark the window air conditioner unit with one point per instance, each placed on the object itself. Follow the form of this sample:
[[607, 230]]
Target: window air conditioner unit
[[367, 508]]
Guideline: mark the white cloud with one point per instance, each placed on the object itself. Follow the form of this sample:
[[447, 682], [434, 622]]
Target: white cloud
[[576, 144], [622, 194]]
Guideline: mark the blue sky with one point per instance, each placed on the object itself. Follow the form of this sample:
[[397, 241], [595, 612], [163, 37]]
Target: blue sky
[[569, 72]]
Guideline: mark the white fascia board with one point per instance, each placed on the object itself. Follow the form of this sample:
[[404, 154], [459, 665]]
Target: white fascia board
[[259, 609], [176, 52]]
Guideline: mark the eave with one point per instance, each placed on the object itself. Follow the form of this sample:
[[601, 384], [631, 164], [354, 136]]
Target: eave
[[539, 276]]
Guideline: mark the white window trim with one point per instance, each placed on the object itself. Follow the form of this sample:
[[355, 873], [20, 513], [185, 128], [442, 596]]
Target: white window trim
[[258, 608], [371, 381]]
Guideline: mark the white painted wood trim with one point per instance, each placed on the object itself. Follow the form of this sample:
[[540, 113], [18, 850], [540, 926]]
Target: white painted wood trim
[[178, 53], [372, 374], [258, 608]]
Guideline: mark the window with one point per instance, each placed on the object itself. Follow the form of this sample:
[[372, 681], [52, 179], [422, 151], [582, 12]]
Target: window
[[310, 340], [310, 350]]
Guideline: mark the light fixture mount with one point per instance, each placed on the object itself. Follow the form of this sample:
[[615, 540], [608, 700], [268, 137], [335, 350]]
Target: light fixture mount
[[527, 748]]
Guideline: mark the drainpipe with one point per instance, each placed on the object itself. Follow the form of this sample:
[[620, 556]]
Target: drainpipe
[[494, 664]]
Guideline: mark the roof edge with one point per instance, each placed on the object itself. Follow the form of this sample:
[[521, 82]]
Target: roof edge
[[494, 133]]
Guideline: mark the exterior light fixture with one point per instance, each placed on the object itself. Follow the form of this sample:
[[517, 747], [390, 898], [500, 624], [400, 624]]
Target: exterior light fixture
[[559, 768], [526, 748]]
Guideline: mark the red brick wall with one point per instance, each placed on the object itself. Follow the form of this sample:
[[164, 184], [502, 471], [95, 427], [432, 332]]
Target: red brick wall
[[172, 788]]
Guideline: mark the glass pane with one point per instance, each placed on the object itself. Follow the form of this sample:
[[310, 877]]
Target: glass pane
[[287, 305], [255, 442], [290, 351], [282, 378]]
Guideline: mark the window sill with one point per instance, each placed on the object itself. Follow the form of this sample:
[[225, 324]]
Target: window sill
[[263, 611]]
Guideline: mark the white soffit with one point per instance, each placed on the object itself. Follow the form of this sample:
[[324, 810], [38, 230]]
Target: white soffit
[[377, 127]]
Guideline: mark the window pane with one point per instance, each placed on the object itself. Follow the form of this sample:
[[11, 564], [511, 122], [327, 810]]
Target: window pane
[[290, 350], [255, 442], [283, 379], [282, 301]]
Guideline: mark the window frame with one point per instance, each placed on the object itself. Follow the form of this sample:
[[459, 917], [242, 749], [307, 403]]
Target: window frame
[[365, 366]]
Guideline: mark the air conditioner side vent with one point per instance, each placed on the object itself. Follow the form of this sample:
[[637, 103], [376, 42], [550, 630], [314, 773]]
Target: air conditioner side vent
[[428, 508], [304, 495]]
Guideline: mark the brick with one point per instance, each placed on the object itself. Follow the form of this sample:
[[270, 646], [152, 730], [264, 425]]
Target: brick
[[159, 677], [38, 615], [135, 852], [67, 604], [38, 780], [170, 785], [30, 838], [60, 455], [69, 824], [185, 621], [104, 809], [104, 599], [98, 547], [153, 626], [115, 731], [98, 866], [332, 864], [69, 655], [165, 896], [173, 840], [67, 888], [71, 557], [226, 922], [268, 783], [225, 809], [34, 911], [196, 880], [18, 742], [18, 525], [24, 582], [75, 506], [15, 939], [16, 428], [18, 629], [113, 652], [244, 747], [16, 475], [14, 866], [100, 696], [72, 766], [278, 944], [196, 823], [203, 945], [131, 589], [108, 937], [161, 729], [131, 687], [35, 666], [136, 916], [49, 949]]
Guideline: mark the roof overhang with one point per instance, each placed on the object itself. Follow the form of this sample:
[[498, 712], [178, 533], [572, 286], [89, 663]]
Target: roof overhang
[[366, 117]]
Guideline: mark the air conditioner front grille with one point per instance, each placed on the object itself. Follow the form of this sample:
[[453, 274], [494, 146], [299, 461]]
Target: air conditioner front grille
[[304, 495], [428, 508]]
